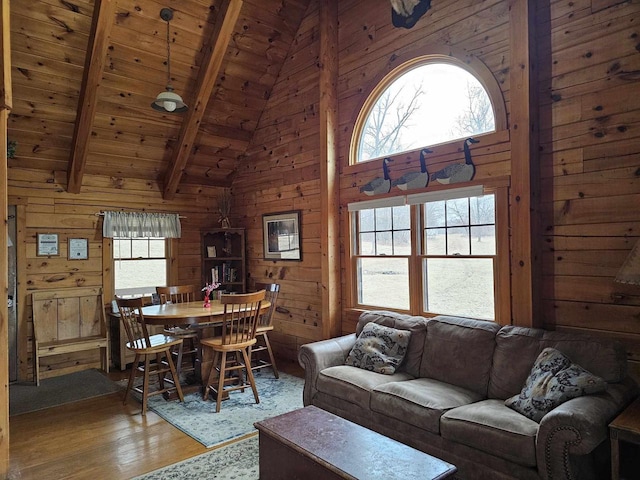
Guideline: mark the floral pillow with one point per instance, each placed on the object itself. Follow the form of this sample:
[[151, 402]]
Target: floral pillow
[[379, 349], [553, 380]]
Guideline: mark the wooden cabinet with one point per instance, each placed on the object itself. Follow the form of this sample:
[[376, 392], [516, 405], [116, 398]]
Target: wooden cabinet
[[223, 259]]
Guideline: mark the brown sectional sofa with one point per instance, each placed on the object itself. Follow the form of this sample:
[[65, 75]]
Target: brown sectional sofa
[[447, 397]]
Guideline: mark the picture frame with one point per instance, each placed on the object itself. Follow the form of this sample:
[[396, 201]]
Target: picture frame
[[78, 249], [281, 236], [47, 244]]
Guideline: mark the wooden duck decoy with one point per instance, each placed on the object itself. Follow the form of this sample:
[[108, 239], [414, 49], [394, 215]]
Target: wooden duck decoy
[[411, 180], [458, 172], [379, 184]]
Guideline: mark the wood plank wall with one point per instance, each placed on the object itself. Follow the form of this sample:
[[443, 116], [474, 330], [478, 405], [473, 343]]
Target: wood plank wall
[[589, 150], [45, 207]]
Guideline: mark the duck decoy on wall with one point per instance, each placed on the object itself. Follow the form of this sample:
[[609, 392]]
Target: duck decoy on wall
[[405, 13], [379, 184], [411, 180], [458, 172]]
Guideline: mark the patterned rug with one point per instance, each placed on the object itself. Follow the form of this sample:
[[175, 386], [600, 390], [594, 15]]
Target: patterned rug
[[237, 461], [198, 418]]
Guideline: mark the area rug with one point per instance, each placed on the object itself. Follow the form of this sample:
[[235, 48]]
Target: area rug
[[24, 398], [237, 461], [198, 418]]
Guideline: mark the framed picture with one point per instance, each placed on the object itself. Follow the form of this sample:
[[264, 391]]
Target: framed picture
[[78, 249], [282, 236], [47, 244]]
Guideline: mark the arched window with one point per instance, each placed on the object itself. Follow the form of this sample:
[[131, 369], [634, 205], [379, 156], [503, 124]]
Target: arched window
[[430, 100]]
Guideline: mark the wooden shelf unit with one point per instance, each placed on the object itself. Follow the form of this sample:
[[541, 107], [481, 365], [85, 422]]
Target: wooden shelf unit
[[226, 264]]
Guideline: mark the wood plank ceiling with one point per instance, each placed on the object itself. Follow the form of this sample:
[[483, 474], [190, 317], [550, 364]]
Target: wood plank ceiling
[[83, 83]]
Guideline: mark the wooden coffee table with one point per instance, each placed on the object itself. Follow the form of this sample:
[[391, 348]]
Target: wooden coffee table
[[311, 444]]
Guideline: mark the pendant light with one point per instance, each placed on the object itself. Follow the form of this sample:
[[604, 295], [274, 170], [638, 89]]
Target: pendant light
[[168, 101]]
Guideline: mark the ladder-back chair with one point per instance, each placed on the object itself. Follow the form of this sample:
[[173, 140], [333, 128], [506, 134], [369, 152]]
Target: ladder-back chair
[[189, 345], [265, 325], [146, 347], [241, 312]]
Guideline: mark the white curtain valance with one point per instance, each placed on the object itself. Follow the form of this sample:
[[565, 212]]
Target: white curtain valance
[[141, 224]]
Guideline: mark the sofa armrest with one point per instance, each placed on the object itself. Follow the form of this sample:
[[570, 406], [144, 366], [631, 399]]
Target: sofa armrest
[[577, 427], [315, 357]]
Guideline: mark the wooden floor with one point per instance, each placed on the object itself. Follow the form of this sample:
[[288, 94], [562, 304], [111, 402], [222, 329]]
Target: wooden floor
[[98, 438]]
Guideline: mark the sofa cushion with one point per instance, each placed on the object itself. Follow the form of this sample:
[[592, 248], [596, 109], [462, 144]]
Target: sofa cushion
[[420, 402], [379, 349], [354, 384], [553, 380], [459, 351], [416, 325], [517, 349], [491, 427]]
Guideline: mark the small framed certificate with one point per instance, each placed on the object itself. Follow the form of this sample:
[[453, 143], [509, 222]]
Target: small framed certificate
[[47, 244], [78, 249]]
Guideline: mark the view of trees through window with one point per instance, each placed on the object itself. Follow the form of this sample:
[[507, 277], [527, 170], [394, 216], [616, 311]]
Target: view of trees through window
[[429, 104]]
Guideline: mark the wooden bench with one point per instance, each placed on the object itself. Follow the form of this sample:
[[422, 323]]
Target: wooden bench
[[67, 321]]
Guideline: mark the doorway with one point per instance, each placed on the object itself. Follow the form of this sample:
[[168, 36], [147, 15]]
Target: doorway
[[12, 298]]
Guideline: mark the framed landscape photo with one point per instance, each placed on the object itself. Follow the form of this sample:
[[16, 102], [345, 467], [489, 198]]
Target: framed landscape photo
[[78, 248], [47, 244], [282, 236]]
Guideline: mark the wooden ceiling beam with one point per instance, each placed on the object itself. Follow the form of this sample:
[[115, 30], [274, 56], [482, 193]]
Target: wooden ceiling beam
[[207, 76], [95, 61]]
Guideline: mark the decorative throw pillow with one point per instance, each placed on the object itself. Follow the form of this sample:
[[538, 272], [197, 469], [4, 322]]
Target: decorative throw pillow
[[379, 348], [553, 380]]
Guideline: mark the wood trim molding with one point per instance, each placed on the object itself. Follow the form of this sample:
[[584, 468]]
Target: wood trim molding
[[95, 61], [214, 53]]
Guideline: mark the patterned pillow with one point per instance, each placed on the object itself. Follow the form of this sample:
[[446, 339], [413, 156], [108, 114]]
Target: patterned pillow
[[379, 349], [553, 380]]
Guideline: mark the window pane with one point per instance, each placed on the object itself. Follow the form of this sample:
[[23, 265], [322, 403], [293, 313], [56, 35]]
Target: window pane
[[483, 240], [366, 221], [459, 286], [483, 210], [435, 214], [383, 243], [384, 282], [140, 273], [156, 247], [435, 241], [139, 248], [401, 218], [431, 103], [121, 248], [367, 244], [458, 241], [383, 218], [402, 242], [457, 212]]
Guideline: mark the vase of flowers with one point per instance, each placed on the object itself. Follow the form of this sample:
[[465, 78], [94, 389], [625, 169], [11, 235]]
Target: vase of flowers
[[208, 288]]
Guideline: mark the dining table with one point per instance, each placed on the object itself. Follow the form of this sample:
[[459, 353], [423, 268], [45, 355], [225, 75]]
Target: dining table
[[202, 319]]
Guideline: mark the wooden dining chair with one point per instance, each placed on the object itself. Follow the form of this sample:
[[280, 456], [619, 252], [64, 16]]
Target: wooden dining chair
[[147, 347], [231, 348], [265, 325], [189, 346]]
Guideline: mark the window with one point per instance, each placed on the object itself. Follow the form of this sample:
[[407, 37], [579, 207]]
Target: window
[[454, 256], [140, 265], [422, 103]]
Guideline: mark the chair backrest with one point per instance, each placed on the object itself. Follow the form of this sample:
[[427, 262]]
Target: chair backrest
[[177, 294], [271, 295], [241, 312], [133, 321]]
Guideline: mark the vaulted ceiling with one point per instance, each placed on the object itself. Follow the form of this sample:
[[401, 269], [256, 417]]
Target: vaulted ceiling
[[85, 73]]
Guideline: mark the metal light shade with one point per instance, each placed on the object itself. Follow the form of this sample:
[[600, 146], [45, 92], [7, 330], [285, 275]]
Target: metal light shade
[[169, 101]]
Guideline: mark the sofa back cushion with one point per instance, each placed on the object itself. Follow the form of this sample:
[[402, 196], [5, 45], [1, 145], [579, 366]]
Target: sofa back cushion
[[416, 325], [517, 349], [459, 351]]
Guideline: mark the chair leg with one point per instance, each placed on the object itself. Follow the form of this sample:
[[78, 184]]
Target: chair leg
[[145, 385], [250, 375], [223, 364], [271, 357], [179, 361], [210, 376], [132, 376], [159, 367], [174, 373]]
